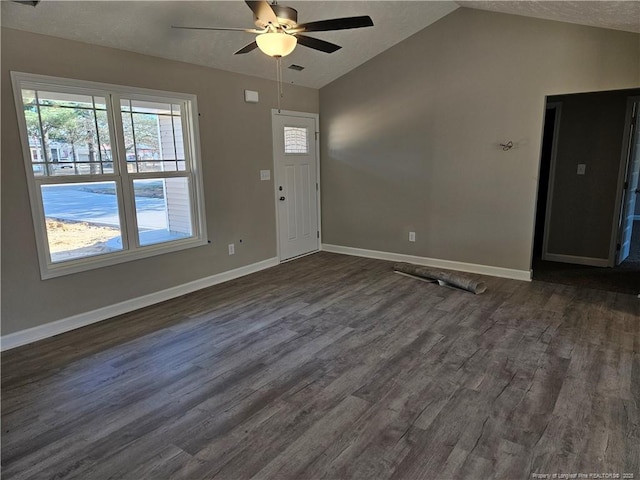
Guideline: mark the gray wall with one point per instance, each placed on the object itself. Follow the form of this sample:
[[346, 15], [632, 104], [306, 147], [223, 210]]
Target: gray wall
[[236, 145], [410, 139], [583, 208]]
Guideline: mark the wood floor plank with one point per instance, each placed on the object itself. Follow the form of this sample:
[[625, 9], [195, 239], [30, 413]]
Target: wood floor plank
[[314, 441], [334, 367]]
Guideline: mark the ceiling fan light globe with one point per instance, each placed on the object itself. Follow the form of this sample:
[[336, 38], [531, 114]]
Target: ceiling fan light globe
[[276, 44]]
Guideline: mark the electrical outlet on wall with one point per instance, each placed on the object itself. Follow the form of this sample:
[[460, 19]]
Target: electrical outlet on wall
[[232, 249], [412, 236], [582, 168]]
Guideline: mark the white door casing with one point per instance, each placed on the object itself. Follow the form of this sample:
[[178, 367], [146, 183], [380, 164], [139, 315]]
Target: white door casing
[[557, 107], [295, 158]]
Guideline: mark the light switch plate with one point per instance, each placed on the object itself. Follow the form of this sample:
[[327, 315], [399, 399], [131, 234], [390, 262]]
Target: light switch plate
[[582, 168], [265, 174]]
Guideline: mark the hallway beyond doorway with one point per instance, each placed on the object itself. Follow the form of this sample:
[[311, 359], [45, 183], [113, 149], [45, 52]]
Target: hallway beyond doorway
[[624, 278]]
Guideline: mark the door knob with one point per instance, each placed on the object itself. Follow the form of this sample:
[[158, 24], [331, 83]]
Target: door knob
[[282, 199]]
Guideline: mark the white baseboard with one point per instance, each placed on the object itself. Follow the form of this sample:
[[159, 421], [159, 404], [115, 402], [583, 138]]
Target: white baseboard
[[592, 262], [432, 262], [47, 330]]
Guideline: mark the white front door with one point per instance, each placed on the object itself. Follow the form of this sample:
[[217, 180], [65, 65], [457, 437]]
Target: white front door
[[296, 171]]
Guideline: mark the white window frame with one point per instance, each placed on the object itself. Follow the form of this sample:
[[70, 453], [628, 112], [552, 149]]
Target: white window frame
[[132, 250]]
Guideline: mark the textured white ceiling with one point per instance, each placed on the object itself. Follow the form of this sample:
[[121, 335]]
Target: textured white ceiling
[[624, 15], [145, 27]]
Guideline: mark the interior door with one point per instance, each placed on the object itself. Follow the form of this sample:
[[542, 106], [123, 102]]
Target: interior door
[[296, 167], [631, 188]]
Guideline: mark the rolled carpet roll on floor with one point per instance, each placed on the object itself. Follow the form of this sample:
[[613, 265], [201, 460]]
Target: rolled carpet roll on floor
[[455, 279]]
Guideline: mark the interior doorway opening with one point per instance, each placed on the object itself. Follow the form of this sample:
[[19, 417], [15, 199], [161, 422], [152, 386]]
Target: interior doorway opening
[[628, 245], [565, 153]]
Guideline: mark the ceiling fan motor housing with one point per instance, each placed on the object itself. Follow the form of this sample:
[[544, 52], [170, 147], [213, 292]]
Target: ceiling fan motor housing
[[287, 17], [278, 31]]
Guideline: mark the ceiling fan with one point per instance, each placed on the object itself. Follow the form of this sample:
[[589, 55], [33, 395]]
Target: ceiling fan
[[278, 33]]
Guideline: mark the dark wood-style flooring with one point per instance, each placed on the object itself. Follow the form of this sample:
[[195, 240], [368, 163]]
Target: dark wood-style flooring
[[624, 278], [333, 366]]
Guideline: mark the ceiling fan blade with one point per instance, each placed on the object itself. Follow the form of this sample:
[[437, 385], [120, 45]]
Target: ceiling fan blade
[[263, 12], [247, 48], [317, 44], [248, 30], [335, 24]]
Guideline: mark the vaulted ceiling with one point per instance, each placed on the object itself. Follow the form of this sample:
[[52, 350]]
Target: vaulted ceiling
[[145, 27]]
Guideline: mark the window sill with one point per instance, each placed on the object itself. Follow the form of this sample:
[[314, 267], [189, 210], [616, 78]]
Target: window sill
[[52, 270]]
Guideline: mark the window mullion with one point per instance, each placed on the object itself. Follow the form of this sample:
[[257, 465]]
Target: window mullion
[[127, 203]]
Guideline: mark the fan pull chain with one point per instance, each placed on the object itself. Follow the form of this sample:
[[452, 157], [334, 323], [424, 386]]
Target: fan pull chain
[[279, 80]]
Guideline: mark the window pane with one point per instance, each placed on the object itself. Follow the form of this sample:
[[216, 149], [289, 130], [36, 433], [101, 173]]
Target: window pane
[[145, 131], [78, 168], [153, 133], [71, 134], [34, 133], [295, 140], [163, 209], [28, 97], [177, 132], [156, 166], [39, 169], [67, 133], [103, 139], [129, 143], [169, 166], [82, 219]]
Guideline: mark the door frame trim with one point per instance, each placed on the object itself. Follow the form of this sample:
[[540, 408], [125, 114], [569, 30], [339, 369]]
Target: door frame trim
[[622, 173], [316, 118], [552, 174]]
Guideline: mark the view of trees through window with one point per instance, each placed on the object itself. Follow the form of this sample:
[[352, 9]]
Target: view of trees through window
[[71, 137], [68, 134]]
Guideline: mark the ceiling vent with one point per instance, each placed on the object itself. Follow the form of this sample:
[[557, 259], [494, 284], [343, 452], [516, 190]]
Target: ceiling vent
[[295, 67]]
